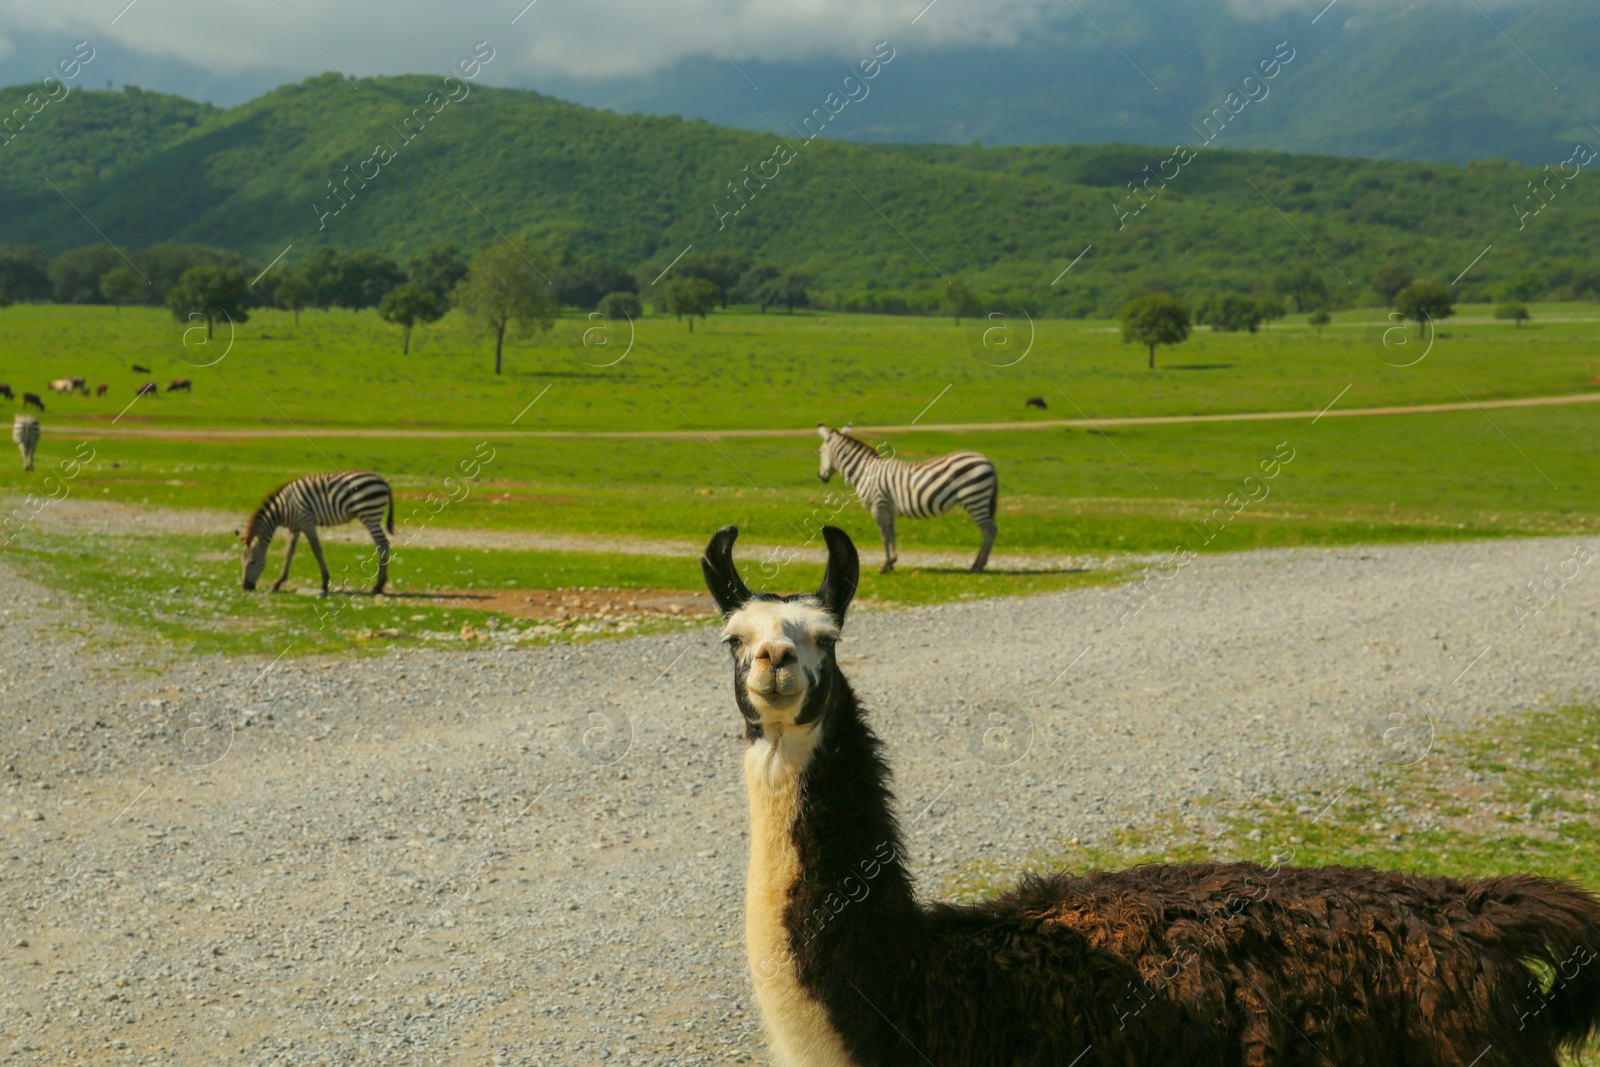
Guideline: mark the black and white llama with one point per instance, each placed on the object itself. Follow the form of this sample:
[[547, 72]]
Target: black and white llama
[[318, 500], [1197, 965], [888, 487]]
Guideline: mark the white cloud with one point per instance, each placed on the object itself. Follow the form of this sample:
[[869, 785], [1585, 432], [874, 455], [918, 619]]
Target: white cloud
[[571, 37]]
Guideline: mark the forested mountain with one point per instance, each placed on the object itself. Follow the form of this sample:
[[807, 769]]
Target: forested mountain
[[1425, 80], [1447, 80], [392, 165]]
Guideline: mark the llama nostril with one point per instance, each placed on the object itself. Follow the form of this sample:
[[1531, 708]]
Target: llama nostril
[[776, 655]]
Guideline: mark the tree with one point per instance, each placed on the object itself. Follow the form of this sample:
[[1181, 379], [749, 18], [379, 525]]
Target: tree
[[1229, 313], [437, 269], [1304, 286], [503, 290], [788, 289], [1390, 277], [120, 285], [752, 286], [209, 292], [405, 306], [582, 282], [958, 301], [75, 274], [1525, 286], [620, 305], [1271, 308], [351, 280], [1425, 301], [1157, 319], [292, 293], [1516, 311], [691, 296], [1319, 319], [165, 264], [722, 269], [24, 273]]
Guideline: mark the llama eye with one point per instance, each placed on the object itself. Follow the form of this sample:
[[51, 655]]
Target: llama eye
[[827, 643], [732, 642]]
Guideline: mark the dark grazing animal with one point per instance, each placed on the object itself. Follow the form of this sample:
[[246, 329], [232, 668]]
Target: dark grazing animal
[[100, 390], [1036, 402], [149, 388], [5, 391], [318, 500], [31, 400], [180, 383], [888, 487], [1195, 965], [140, 370]]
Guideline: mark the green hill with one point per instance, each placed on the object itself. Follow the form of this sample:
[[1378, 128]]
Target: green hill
[[257, 178]]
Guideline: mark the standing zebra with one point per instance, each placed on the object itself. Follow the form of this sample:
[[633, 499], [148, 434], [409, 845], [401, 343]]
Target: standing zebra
[[890, 487], [25, 432], [318, 500]]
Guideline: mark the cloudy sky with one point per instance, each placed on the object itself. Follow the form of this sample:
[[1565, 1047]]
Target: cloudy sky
[[560, 37]]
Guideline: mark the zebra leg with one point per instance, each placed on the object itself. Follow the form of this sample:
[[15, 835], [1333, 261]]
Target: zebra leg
[[316, 548], [884, 513], [982, 561], [288, 558], [383, 560]]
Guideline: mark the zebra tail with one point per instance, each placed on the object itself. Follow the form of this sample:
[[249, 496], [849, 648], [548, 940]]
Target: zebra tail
[[391, 511]]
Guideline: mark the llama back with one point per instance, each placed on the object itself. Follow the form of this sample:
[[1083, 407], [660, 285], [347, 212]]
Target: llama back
[[1251, 959]]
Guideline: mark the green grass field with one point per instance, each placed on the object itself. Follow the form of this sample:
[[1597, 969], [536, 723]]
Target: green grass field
[[743, 370], [1128, 489]]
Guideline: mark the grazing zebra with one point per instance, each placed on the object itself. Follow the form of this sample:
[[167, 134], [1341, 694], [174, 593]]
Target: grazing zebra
[[318, 500], [890, 487], [25, 432]]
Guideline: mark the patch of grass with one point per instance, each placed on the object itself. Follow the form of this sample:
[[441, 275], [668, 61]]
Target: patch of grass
[[185, 593], [1519, 796], [1357, 480], [340, 368]]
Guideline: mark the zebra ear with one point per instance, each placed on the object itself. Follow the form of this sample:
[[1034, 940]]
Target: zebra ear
[[839, 581], [722, 577], [822, 430]]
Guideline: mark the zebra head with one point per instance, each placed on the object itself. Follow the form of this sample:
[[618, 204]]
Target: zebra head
[[782, 646], [829, 464], [255, 556]]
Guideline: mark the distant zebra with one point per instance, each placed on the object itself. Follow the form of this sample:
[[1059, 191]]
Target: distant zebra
[[890, 487], [318, 500], [25, 432]]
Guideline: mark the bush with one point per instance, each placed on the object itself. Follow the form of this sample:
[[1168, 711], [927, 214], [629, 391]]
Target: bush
[[621, 305], [1516, 311]]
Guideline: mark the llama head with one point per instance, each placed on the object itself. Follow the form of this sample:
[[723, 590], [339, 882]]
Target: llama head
[[782, 646]]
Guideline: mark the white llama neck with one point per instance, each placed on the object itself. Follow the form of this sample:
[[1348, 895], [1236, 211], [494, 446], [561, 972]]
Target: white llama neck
[[797, 1025]]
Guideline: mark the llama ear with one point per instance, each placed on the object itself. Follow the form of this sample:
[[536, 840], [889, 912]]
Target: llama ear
[[722, 577], [839, 581], [822, 430]]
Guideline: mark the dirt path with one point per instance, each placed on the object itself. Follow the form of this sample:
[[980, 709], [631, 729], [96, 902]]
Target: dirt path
[[96, 430], [536, 856]]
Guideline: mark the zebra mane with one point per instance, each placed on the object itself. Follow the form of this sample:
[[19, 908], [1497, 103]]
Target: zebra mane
[[858, 442], [255, 516]]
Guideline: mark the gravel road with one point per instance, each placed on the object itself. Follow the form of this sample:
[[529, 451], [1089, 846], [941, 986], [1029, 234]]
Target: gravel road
[[535, 856]]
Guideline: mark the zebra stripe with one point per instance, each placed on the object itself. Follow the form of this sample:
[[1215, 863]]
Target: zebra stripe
[[316, 500], [25, 432], [325, 500], [925, 490]]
